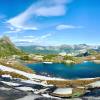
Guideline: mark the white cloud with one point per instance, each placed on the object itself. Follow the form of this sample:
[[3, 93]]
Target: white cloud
[[13, 30], [29, 36], [51, 8], [45, 36], [40, 8], [51, 11], [64, 26], [16, 29], [30, 39]]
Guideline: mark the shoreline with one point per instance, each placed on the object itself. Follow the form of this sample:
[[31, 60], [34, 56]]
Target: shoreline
[[41, 77], [62, 87], [47, 74], [84, 61]]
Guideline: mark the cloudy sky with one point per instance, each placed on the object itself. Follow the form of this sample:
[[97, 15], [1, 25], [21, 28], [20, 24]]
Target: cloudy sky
[[50, 22]]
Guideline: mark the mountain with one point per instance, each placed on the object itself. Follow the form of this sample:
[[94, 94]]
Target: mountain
[[81, 48], [7, 48]]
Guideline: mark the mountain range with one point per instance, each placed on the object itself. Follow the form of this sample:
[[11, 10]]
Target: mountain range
[[7, 48], [80, 48]]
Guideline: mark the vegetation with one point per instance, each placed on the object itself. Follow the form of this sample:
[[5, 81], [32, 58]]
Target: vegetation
[[7, 51], [71, 83], [49, 56], [78, 91], [68, 57], [98, 57], [62, 59], [25, 57], [16, 65], [92, 52], [7, 48]]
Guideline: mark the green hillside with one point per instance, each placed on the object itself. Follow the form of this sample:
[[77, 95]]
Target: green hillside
[[7, 48]]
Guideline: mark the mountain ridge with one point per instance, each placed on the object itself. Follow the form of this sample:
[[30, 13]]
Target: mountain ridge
[[58, 49], [7, 48]]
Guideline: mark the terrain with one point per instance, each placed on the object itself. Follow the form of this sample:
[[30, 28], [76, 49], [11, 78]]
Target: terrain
[[16, 77], [72, 49], [7, 48]]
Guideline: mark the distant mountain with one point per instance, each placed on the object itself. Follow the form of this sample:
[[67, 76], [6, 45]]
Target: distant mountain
[[81, 48], [7, 48], [40, 49]]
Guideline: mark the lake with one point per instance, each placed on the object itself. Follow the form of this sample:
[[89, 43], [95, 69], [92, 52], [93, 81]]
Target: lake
[[67, 71]]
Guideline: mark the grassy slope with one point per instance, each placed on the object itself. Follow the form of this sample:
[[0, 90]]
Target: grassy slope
[[7, 49]]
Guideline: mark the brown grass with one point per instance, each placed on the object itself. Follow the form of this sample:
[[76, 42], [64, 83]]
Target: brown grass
[[71, 83], [14, 75], [17, 65]]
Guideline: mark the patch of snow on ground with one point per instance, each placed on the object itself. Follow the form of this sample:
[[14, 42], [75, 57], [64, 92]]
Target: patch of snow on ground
[[5, 89], [25, 88], [95, 84], [33, 82], [47, 95], [10, 83], [7, 76], [28, 75], [63, 91]]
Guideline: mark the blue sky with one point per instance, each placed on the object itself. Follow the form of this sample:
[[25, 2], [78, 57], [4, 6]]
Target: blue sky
[[50, 22]]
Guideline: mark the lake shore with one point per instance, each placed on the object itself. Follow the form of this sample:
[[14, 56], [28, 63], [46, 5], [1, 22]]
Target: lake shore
[[77, 86], [86, 69]]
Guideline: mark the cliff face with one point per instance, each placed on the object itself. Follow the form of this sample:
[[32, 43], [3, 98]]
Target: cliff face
[[7, 48]]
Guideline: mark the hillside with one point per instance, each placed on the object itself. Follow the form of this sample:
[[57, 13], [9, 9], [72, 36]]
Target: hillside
[[7, 48]]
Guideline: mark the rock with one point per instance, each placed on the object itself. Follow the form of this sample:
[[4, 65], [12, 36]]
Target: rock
[[94, 84], [63, 92]]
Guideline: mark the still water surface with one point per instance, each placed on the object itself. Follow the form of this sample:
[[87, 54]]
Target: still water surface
[[67, 71]]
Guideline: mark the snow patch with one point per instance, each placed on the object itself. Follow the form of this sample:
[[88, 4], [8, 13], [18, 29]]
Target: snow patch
[[95, 84], [25, 88], [63, 91], [28, 75], [10, 83]]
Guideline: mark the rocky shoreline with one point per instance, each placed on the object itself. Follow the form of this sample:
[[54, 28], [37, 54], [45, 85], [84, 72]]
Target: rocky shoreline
[[18, 89], [46, 88], [33, 91]]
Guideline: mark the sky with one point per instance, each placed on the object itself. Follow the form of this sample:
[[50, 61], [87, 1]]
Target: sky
[[50, 22]]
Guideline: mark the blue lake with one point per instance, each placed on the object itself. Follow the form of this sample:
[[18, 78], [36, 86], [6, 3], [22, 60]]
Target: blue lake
[[83, 70]]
